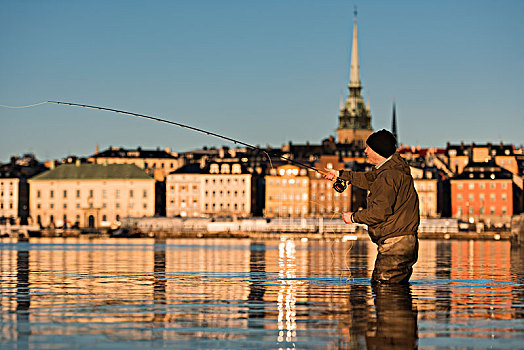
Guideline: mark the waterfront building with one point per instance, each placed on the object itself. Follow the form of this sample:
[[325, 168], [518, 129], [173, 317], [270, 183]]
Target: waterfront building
[[325, 201], [354, 117], [214, 189], [157, 163], [90, 195], [426, 185], [460, 155], [485, 192], [14, 188], [9, 196], [287, 191]]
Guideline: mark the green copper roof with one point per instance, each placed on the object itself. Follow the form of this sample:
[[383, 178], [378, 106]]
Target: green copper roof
[[94, 171]]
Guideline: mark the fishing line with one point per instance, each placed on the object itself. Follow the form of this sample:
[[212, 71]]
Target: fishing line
[[229, 139], [19, 107], [333, 257], [339, 184]]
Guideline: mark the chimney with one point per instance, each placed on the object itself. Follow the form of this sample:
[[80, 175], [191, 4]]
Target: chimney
[[77, 162]]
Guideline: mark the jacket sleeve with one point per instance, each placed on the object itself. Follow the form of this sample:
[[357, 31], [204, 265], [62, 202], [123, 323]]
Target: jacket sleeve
[[361, 179], [380, 204]]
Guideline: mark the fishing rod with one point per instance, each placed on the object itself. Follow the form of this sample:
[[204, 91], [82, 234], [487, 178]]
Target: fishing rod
[[339, 184]]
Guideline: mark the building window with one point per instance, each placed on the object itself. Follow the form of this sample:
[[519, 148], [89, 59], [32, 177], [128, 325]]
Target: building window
[[117, 205], [38, 194], [492, 210], [459, 186], [90, 193], [77, 193], [471, 197], [65, 193], [144, 194], [104, 194], [51, 194], [51, 205], [459, 197], [492, 197], [104, 217], [117, 193], [131, 193]]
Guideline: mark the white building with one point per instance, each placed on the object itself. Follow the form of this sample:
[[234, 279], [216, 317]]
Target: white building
[[217, 189], [9, 197], [90, 195]]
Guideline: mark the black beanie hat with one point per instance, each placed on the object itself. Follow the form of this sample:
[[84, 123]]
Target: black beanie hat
[[383, 142]]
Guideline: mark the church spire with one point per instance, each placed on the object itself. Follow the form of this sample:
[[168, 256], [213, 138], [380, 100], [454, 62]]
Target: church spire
[[394, 121], [354, 118], [354, 74]]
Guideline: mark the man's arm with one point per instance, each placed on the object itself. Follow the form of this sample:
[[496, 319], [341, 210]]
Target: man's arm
[[361, 179], [381, 205]]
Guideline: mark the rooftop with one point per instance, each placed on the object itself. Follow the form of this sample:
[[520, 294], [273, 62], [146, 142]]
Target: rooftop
[[88, 171]]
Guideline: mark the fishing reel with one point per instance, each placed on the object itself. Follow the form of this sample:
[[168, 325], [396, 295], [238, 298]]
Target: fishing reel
[[340, 185]]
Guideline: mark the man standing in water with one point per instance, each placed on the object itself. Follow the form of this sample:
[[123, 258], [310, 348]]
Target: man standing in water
[[392, 212]]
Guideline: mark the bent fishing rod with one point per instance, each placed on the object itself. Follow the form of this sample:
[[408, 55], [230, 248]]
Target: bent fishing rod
[[339, 184]]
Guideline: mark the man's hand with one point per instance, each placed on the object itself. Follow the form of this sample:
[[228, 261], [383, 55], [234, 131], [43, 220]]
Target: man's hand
[[347, 217], [330, 174]]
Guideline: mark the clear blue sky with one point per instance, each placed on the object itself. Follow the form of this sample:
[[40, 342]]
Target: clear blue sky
[[266, 72]]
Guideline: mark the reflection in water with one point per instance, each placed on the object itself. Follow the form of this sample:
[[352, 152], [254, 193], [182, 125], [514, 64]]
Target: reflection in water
[[23, 298], [287, 294], [243, 294], [257, 288], [395, 326], [159, 280]]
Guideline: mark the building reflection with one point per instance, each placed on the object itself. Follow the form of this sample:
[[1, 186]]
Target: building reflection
[[23, 297], [279, 292], [159, 280], [517, 274], [257, 288], [287, 294]]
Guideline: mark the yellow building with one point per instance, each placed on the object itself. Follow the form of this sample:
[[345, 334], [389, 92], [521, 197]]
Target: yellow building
[[287, 192], [90, 195], [426, 186], [217, 189]]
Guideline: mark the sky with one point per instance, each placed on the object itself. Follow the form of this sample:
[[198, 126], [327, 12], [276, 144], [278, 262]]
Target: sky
[[264, 72]]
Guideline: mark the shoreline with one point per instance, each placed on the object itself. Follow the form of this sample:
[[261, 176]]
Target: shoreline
[[346, 236]]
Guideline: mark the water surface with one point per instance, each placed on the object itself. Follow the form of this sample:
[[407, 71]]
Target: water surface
[[80, 293]]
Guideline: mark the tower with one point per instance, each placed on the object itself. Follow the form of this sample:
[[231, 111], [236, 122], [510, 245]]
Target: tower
[[394, 122], [354, 117]]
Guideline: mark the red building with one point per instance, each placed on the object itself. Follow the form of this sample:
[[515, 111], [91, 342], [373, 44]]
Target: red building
[[485, 192]]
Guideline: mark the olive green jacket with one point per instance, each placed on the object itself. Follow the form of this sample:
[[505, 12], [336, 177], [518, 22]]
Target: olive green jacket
[[392, 202]]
